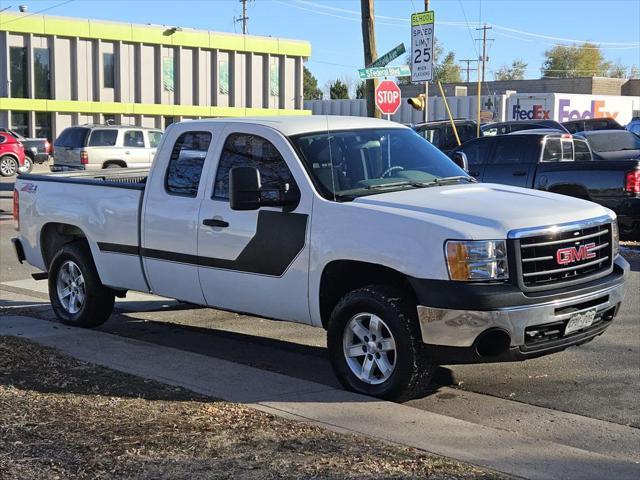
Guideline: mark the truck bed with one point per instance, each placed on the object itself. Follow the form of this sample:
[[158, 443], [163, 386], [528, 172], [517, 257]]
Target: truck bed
[[104, 205], [112, 177]]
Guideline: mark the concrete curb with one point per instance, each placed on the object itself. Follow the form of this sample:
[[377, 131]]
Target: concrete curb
[[334, 409]]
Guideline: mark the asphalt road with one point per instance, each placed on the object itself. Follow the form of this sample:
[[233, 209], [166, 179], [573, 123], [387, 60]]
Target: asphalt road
[[600, 380]]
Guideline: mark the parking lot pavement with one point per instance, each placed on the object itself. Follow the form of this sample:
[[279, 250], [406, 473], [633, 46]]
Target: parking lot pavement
[[584, 397]]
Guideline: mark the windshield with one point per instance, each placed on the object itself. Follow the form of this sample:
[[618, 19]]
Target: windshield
[[352, 163], [614, 140]]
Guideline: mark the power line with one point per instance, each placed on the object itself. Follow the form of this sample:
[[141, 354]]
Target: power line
[[37, 12]]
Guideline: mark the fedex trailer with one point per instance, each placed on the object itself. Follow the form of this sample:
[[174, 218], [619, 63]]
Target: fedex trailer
[[564, 106]]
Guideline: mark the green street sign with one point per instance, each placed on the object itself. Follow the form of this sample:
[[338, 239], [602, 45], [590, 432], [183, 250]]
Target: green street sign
[[388, 57], [380, 72]]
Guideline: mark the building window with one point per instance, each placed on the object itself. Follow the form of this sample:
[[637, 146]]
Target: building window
[[41, 73], [18, 59], [167, 74], [20, 123], [168, 121], [109, 70], [43, 125], [223, 77], [274, 77]]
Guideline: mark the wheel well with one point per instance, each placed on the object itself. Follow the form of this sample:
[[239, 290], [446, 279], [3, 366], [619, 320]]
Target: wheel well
[[10, 155], [54, 236], [571, 191], [120, 163], [343, 276]]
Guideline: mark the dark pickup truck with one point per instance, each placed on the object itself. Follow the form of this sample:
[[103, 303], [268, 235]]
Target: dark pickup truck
[[36, 150], [559, 163]]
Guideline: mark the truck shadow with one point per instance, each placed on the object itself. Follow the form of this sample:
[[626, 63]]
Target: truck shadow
[[297, 360]]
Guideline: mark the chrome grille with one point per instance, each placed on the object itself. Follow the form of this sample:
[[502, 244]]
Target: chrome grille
[[553, 258]]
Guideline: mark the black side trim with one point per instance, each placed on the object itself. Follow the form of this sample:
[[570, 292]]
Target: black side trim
[[82, 181], [119, 248], [279, 238]]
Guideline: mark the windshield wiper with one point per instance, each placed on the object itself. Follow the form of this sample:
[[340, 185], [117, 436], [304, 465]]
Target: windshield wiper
[[454, 179], [396, 184]]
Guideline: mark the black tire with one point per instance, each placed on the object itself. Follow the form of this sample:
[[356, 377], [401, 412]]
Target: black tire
[[8, 166], [98, 300], [413, 368], [112, 165]]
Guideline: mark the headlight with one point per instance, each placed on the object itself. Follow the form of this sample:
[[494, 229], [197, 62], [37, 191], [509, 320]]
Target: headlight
[[615, 238], [477, 260]]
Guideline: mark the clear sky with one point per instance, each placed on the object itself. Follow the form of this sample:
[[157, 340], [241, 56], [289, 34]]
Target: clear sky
[[521, 28]]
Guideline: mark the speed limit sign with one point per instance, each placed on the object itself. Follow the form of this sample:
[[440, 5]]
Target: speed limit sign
[[422, 47]]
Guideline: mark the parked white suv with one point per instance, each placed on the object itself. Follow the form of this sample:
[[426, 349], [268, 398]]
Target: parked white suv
[[94, 147]]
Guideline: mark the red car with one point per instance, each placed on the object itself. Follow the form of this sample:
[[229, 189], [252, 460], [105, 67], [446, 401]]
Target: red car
[[11, 155]]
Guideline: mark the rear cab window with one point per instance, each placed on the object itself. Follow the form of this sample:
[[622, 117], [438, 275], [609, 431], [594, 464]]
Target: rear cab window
[[186, 163], [581, 151], [103, 138], [558, 149], [509, 150]]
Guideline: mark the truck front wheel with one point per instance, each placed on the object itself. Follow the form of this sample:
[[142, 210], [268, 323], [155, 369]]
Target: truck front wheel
[[375, 344], [76, 293]]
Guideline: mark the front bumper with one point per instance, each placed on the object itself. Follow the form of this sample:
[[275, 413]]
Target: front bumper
[[454, 333]]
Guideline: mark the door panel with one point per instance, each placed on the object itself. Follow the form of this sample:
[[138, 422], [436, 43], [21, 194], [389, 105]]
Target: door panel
[[512, 161], [134, 151], [259, 262], [171, 215]]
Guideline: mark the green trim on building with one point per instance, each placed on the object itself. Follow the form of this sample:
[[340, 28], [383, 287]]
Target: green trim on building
[[127, 32], [73, 106]]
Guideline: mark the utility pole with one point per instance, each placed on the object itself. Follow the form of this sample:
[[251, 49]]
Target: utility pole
[[468, 69], [244, 19], [370, 52], [484, 58]]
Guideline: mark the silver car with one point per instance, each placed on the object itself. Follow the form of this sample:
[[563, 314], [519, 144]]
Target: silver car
[[93, 147]]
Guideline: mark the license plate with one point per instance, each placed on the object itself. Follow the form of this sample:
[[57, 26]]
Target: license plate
[[579, 321]]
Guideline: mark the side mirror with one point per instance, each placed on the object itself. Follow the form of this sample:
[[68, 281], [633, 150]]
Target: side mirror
[[244, 188], [460, 159]]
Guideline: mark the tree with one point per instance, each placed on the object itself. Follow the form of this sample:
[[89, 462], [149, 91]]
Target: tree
[[338, 90], [618, 70], [448, 71], [310, 86], [361, 89], [584, 60], [513, 72]]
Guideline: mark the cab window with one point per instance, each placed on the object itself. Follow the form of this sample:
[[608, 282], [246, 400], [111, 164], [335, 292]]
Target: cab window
[[477, 151], [186, 162], [244, 150]]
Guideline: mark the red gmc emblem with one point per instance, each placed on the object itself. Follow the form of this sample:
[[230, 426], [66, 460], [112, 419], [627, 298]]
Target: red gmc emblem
[[565, 256]]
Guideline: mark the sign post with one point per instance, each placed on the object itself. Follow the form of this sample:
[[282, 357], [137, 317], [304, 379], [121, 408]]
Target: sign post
[[422, 52], [388, 97]]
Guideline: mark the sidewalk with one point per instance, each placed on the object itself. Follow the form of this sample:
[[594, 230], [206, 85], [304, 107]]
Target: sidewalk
[[334, 409]]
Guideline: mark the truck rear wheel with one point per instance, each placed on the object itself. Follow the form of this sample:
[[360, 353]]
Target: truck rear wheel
[[375, 344], [76, 293]]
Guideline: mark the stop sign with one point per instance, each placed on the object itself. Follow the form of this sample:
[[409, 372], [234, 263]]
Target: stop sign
[[388, 97]]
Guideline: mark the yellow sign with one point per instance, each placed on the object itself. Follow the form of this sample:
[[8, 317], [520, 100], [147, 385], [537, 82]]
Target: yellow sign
[[421, 18]]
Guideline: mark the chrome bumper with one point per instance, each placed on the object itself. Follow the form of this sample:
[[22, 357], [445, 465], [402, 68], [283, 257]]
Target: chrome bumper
[[460, 328]]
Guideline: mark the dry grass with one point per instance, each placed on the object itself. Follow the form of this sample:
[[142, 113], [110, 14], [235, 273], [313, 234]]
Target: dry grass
[[62, 418]]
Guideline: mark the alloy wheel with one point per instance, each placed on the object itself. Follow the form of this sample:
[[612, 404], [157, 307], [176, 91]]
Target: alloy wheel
[[369, 348]]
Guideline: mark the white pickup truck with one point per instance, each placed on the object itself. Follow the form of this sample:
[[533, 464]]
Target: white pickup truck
[[356, 225]]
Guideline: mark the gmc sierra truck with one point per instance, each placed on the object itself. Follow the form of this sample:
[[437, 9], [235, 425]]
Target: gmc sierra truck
[[356, 225]]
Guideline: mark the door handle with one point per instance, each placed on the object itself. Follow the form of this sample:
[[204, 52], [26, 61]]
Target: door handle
[[215, 222], [127, 152], [519, 173]]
